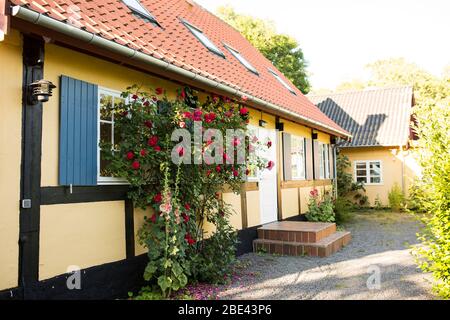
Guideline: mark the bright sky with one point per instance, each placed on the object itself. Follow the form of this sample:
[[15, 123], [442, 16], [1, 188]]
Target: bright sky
[[339, 37]]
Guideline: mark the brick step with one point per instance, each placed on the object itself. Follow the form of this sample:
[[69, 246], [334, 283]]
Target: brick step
[[323, 248], [296, 231]]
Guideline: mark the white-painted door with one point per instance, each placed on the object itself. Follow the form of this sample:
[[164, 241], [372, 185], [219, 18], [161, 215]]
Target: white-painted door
[[268, 179]]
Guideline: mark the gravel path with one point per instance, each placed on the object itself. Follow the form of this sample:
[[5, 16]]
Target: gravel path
[[380, 241]]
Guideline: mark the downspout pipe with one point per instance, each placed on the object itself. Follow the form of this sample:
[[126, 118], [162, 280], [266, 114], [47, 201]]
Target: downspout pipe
[[133, 54]]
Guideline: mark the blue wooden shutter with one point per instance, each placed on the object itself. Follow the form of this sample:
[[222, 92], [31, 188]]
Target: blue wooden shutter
[[78, 132]]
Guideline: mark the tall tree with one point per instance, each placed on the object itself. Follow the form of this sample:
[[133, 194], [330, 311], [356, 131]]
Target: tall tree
[[282, 50]]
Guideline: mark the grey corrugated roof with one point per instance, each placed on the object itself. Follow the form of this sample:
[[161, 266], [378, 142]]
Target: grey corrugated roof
[[375, 117]]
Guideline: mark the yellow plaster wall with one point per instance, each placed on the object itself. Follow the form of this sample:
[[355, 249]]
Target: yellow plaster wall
[[253, 210], [296, 129], [289, 202], [235, 201], [256, 115], [323, 137], [304, 198], [81, 234], [392, 163], [10, 156]]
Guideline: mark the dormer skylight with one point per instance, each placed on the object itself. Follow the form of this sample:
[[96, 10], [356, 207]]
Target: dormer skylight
[[203, 39], [241, 59], [282, 81], [138, 9]]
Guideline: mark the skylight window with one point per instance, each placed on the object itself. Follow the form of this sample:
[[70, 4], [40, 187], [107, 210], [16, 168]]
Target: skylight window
[[203, 39], [241, 59], [282, 81], [137, 8]]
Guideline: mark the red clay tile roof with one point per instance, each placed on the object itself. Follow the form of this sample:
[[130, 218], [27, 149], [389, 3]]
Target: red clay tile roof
[[174, 43]]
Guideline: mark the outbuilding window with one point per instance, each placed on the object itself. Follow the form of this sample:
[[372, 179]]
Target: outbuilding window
[[368, 172]]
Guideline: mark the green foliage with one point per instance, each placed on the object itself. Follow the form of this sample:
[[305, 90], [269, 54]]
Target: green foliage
[[378, 203], [320, 209], [351, 191], [179, 197], [343, 210], [396, 198], [282, 50]]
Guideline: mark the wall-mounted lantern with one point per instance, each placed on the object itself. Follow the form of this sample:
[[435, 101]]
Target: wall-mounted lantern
[[262, 123], [40, 91]]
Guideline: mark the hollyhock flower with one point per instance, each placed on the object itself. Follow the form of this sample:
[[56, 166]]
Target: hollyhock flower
[[270, 165], [255, 139], [182, 124], [153, 141], [165, 207], [236, 142], [187, 206], [136, 165], [314, 192], [157, 198], [159, 91], [130, 155], [269, 144], [157, 148], [218, 168], [143, 152], [148, 124], [187, 115], [243, 111], [222, 214], [146, 103], [244, 98], [134, 97]]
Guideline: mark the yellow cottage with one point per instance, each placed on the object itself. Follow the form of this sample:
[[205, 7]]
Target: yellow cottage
[[57, 210]]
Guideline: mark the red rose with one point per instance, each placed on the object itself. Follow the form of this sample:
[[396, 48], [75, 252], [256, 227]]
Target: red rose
[[218, 168], [136, 165], [157, 198], [130, 155], [185, 218], [229, 114], [134, 97], [146, 103], [153, 141], [187, 206], [208, 173], [157, 148], [243, 111], [189, 239], [227, 100], [236, 142], [235, 172], [247, 172], [187, 115], [159, 91], [198, 115], [244, 98], [143, 152], [153, 218], [270, 165], [183, 94], [154, 98], [269, 144], [124, 114], [215, 98], [148, 124]]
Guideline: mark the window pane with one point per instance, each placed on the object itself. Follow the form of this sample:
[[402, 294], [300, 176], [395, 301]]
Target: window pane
[[105, 107], [104, 172], [118, 105], [117, 138], [375, 180], [105, 132], [361, 172], [361, 179], [361, 165]]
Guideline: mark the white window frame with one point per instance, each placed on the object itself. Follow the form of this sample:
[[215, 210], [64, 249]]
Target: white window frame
[[303, 143], [106, 180], [253, 130], [324, 161], [203, 39], [368, 176], [280, 80]]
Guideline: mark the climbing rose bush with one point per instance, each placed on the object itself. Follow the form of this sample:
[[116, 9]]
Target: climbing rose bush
[[178, 197]]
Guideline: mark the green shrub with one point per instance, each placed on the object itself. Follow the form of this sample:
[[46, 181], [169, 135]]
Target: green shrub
[[378, 204], [320, 210], [343, 210], [346, 188], [396, 198]]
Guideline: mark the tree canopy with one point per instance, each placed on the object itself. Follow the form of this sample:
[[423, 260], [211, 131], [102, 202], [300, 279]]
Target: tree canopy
[[281, 49]]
